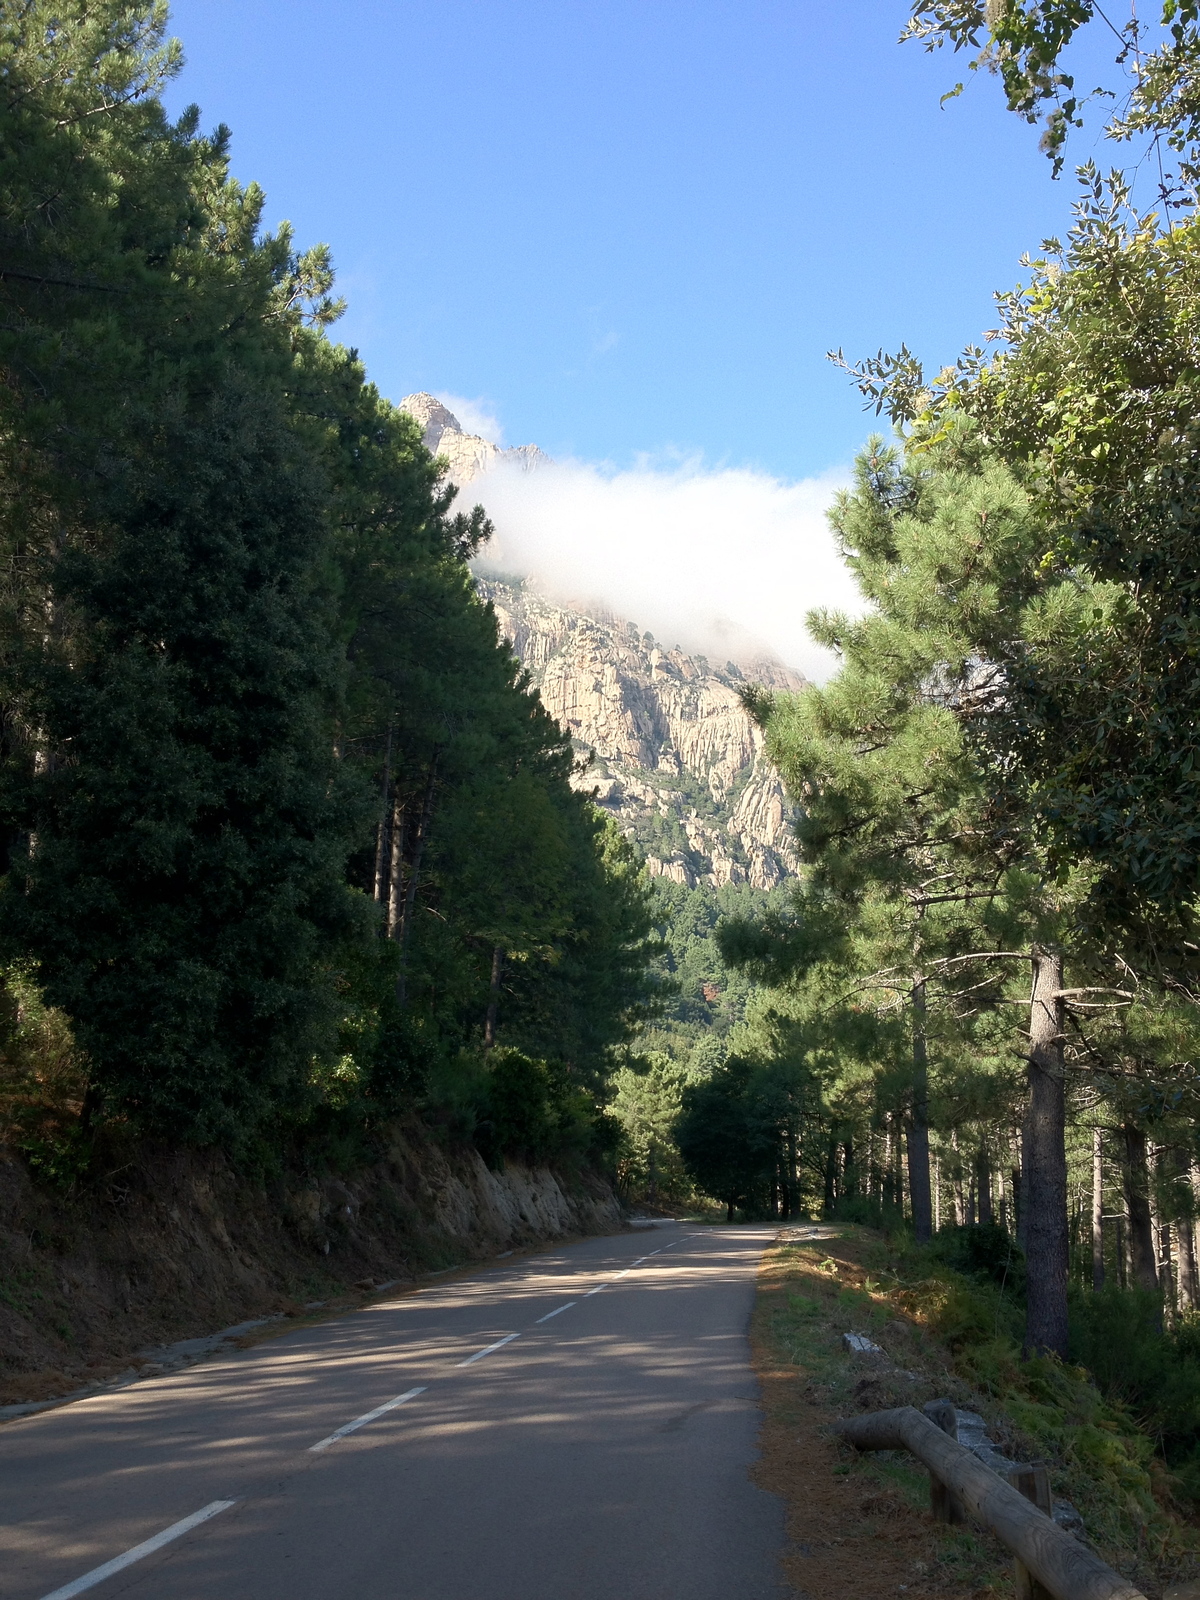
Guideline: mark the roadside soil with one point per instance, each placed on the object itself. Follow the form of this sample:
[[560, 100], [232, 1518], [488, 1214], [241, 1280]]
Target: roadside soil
[[857, 1525], [98, 1284]]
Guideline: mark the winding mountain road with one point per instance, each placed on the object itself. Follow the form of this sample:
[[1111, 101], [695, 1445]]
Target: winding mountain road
[[578, 1425]]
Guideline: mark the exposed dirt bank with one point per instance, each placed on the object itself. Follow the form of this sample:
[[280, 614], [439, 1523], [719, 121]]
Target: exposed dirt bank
[[174, 1246]]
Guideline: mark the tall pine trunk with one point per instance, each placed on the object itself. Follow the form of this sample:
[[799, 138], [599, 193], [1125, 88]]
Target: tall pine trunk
[[1137, 1203], [1045, 1180], [793, 1171], [381, 833], [1097, 1209], [493, 1007], [414, 877], [830, 1173], [983, 1180], [918, 1127], [395, 874], [1188, 1228]]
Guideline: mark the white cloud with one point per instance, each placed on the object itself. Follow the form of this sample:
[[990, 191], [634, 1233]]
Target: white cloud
[[474, 416], [714, 560]]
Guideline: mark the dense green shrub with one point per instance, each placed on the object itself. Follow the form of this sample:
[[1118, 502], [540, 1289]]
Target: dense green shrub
[[985, 1252], [1118, 1335], [513, 1105]]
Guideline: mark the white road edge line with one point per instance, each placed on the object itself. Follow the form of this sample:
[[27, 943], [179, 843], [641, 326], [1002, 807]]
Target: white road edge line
[[147, 1548], [487, 1349], [359, 1422], [556, 1310]]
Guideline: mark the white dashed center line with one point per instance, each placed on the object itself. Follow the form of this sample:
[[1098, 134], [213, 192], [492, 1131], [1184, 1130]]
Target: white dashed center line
[[360, 1422], [487, 1349], [146, 1548], [556, 1311]]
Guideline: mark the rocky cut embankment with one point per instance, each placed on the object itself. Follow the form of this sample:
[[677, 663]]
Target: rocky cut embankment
[[173, 1246]]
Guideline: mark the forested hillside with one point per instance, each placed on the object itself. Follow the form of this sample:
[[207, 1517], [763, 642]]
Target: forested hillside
[[291, 847]]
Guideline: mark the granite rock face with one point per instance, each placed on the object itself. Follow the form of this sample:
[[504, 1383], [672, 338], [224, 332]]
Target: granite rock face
[[674, 757], [466, 454]]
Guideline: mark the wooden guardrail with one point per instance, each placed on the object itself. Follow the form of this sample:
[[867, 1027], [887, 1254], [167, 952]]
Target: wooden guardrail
[[1047, 1558]]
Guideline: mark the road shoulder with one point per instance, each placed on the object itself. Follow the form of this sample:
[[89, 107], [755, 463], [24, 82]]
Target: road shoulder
[[855, 1525]]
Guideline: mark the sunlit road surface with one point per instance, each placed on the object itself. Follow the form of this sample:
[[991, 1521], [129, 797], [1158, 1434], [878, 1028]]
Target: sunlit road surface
[[576, 1426]]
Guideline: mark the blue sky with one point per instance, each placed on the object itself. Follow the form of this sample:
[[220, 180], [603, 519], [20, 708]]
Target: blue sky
[[629, 233], [630, 227]]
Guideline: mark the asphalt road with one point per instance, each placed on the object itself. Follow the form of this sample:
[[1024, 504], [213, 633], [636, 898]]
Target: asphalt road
[[575, 1426]]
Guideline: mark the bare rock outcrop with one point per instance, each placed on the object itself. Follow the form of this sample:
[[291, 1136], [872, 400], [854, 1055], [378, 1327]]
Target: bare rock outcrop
[[674, 756], [466, 454]]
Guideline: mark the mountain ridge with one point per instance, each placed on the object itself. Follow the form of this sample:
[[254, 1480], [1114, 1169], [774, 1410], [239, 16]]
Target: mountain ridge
[[672, 754], [467, 455], [670, 751]]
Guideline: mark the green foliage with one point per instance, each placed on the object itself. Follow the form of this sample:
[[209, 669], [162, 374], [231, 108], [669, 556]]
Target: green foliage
[[985, 1252], [1117, 1334], [1101, 1455], [723, 1139], [236, 612], [513, 1105], [646, 1102], [1151, 94]]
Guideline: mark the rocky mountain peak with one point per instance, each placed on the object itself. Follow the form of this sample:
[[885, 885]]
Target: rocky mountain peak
[[672, 755], [467, 454]]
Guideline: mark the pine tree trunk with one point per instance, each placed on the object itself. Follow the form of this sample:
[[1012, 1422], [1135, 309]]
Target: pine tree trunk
[[414, 876], [489, 1026], [381, 833], [983, 1177], [1160, 1230], [1046, 1178], [918, 1124], [1020, 1185], [395, 875], [956, 1185], [1097, 1209], [1137, 1204], [1187, 1259], [887, 1198], [937, 1194], [1168, 1273], [830, 1169], [900, 1207]]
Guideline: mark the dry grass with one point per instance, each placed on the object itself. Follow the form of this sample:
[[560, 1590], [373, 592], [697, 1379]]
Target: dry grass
[[944, 1334], [857, 1525]]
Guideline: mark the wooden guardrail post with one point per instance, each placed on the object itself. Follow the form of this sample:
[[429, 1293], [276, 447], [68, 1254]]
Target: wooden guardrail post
[[1033, 1482], [943, 1502], [1061, 1564]]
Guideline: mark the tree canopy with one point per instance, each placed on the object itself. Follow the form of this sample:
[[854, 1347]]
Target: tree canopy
[[286, 830]]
